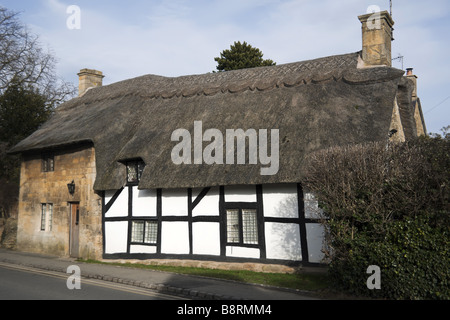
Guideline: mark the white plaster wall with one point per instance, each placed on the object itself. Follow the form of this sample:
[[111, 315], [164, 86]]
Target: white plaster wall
[[209, 205], [283, 241], [206, 238], [280, 201], [312, 210], [120, 206], [116, 234], [142, 249], [175, 237], [144, 203], [240, 193], [109, 194], [315, 234], [242, 252], [174, 202]]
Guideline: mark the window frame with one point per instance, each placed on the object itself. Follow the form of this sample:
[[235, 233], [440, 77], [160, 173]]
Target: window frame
[[46, 217], [48, 162], [43, 216], [138, 166], [146, 232], [241, 227]]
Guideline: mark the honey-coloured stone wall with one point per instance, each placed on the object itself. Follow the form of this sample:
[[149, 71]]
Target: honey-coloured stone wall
[[37, 187]]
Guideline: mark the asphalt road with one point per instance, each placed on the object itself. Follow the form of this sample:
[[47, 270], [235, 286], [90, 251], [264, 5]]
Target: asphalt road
[[23, 283]]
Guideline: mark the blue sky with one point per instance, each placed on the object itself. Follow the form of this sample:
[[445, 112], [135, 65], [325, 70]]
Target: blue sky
[[126, 39]]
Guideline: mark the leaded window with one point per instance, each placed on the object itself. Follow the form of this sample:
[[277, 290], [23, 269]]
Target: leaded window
[[249, 226], [137, 231], [43, 216], [242, 226], [134, 171], [48, 163], [50, 216], [233, 226], [151, 232], [46, 216], [145, 232]]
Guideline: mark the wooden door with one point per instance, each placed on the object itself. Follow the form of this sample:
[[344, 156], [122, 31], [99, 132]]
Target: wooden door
[[74, 229]]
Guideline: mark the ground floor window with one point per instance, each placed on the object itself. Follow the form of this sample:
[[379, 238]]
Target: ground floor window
[[145, 232], [46, 216], [242, 227]]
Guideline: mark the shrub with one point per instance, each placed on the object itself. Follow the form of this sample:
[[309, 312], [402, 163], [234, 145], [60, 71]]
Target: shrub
[[386, 206]]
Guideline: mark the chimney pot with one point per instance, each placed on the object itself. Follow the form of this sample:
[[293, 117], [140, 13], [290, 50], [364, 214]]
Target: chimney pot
[[410, 75], [89, 78]]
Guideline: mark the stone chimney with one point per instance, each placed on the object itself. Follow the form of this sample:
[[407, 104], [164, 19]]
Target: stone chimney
[[377, 36], [421, 128], [88, 78], [410, 75]]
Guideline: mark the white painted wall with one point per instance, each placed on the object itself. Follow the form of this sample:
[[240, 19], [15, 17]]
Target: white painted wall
[[280, 201], [144, 203], [142, 249], [116, 234], [209, 206], [120, 206], [206, 238], [242, 252], [174, 202], [312, 210], [240, 193], [175, 237], [315, 236], [283, 241]]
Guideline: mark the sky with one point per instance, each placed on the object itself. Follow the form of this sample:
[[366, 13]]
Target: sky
[[126, 39]]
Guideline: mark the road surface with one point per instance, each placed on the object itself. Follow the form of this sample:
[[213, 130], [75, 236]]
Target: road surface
[[23, 283]]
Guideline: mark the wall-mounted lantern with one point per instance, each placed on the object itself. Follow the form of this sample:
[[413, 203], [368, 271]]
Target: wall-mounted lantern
[[71, 187]]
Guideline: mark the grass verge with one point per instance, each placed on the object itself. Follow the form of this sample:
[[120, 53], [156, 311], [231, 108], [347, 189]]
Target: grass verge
[[299, 281]]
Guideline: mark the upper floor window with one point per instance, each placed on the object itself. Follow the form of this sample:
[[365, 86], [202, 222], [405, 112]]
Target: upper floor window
[[134, 171], [48, 163]]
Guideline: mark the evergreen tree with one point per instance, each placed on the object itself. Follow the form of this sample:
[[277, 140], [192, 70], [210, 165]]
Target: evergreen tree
[[22, 111], [241, 56]]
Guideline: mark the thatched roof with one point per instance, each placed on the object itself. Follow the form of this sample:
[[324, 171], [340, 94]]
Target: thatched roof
[[314, 104]]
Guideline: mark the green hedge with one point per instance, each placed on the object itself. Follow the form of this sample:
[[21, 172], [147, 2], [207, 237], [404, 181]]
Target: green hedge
[[413, 258], [386, 206]]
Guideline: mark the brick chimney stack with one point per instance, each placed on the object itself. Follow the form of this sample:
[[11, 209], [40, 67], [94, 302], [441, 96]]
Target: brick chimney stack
[[377, 36], [89, 78]]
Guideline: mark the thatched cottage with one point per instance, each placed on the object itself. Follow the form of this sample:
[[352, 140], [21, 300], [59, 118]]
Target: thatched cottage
[[154, 167]]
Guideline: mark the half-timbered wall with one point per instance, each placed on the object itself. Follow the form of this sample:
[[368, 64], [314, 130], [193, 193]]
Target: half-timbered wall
[[271, 223]]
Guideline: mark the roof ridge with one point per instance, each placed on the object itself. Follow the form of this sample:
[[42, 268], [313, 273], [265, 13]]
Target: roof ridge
[[236, 81]]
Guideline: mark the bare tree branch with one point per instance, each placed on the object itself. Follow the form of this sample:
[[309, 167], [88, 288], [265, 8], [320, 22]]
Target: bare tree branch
[[23, 60]]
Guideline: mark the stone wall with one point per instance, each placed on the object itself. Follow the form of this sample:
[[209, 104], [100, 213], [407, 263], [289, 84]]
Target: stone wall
[[8, 233], [38, 187]]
